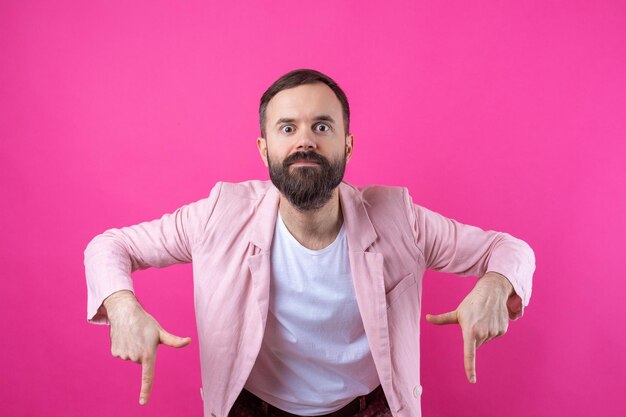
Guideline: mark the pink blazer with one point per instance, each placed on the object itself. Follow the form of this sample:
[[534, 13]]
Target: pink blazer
[[228, 236]]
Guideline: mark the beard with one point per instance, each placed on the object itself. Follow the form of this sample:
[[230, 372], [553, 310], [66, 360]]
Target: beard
[[307, 187]]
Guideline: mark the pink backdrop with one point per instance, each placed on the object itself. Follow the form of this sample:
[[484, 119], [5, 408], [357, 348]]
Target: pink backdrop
[[506, 116]]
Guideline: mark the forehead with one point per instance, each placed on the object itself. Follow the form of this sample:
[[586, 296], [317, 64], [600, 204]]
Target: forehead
[[304, 102]]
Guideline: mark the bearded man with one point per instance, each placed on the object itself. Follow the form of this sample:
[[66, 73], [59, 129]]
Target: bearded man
[[307, 289]]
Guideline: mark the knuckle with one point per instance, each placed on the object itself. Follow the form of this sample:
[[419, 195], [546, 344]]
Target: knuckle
[[481, 334], [147, 356]]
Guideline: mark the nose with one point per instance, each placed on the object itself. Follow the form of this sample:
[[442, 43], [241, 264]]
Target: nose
[[305, 140]]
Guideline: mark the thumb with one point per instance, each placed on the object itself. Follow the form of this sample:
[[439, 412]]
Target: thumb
[[171, 340], [445, 318]]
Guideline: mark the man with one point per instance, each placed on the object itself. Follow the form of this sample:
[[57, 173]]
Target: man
[[307, 289]]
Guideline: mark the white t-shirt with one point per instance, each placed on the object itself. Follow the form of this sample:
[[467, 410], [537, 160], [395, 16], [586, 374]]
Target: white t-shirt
[[315, 358]]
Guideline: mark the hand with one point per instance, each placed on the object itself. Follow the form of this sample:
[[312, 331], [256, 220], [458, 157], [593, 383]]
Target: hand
[[135, 336], [482, 315]]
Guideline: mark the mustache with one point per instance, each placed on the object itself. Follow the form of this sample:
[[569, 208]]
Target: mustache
[[304, 156]]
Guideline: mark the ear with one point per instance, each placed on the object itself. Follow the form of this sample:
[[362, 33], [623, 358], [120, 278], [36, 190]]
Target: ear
[[261, 143], [349, 146]]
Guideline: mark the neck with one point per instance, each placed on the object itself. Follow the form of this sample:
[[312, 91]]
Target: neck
[[314, 229]]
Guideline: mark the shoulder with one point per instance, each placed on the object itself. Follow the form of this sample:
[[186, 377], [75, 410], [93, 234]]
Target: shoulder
[[375, 195], [382, 203], [229, 196], [246, 190], [230, 206]]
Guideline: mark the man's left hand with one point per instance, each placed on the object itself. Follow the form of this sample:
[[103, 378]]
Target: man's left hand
[[482, 315]]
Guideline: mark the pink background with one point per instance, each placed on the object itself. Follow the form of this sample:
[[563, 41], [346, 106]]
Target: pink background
[[509, 116]]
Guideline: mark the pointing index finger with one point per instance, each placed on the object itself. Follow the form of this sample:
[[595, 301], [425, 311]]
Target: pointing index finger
[[469, 355], [147, 377]]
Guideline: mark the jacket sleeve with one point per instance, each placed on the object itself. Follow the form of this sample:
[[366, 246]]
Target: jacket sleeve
[[450, 246], [112, 256]]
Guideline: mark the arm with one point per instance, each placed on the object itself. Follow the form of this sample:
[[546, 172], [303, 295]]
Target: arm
[[457, 248], [111, 257], [504, 263]]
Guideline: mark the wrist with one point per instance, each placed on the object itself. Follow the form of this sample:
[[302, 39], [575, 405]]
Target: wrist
[[500, 281], [119, 300]]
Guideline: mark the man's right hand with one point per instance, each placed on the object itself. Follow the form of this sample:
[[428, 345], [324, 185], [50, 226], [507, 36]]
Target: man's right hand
[[135, 336]]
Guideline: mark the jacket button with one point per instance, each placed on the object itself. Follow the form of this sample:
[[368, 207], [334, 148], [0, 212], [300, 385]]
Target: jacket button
[[417, 391]]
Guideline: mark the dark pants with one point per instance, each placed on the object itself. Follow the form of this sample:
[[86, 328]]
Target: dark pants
[[377, 407]]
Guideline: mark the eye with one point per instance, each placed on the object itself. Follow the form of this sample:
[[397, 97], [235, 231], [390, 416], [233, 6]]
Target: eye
[[321, 127], [287, 129]]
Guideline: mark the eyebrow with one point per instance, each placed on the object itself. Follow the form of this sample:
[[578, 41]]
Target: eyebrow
[[322, 117]]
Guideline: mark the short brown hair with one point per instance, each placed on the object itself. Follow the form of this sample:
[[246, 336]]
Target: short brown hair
[[300, 77]]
